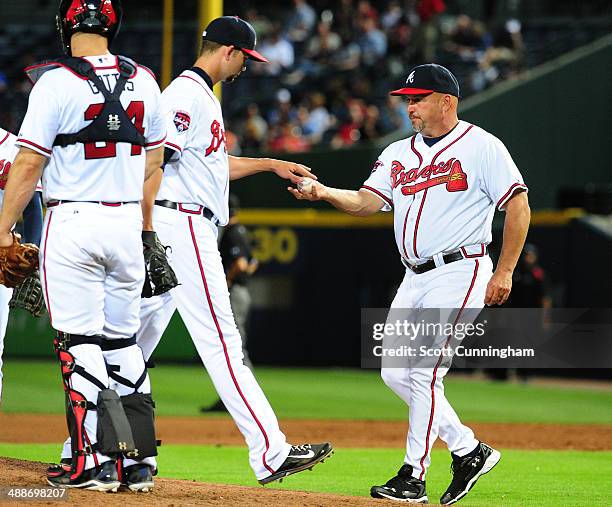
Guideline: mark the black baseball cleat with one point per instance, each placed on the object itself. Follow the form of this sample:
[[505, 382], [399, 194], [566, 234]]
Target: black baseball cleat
[[402, 488], [139, 478], [467, 470], [218, 406], [100, 478], [62, 468], [301, 457]]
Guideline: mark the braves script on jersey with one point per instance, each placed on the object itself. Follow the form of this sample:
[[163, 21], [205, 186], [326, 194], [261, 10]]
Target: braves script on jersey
[[444, 197], [63, 102], [199, 173]]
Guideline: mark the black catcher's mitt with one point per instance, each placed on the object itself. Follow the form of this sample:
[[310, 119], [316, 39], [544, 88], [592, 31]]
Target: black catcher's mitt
[[17, 261], [159, 277], [29, 295]]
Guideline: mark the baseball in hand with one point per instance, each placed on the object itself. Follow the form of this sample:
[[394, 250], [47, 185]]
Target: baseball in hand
[[305, 186]]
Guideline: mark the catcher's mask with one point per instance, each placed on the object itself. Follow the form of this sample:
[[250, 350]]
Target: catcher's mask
[[90, 16]]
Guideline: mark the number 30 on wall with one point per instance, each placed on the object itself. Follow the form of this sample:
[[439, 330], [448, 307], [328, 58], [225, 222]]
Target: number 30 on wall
[[280, 245]]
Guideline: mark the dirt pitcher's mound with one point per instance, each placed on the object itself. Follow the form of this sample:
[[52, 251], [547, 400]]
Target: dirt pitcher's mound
[[42, 428], [22, 474]]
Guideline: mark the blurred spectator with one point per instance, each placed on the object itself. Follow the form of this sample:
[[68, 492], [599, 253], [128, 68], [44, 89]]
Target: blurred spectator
[[366, 11], [263, 26], [466, 39], [371, 128], [321, 48], [392, 15], [288, 137], [503, 58], [372, 43], [232, 143], [427, 33], [255, 129], [318, 119], [300, 24], [283, 111], [350, 129], [395, 115], [279, 53], [345, 20]]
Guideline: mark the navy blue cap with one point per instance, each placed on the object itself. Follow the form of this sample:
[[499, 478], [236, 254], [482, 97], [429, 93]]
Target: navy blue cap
[[233, 31], [429, 78]]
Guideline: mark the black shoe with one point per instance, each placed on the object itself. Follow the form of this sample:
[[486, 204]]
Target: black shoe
[[218, 406], [139, 478], [64, 467], [300, 458], [403, 488], [467, 470], [100, 478]]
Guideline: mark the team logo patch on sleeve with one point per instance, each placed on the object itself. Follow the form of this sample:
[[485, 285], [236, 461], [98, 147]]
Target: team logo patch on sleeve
[[181, 121]]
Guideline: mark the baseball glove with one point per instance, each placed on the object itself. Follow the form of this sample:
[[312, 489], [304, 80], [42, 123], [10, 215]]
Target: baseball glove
[[17, 261], [29, 295], [159, 277]]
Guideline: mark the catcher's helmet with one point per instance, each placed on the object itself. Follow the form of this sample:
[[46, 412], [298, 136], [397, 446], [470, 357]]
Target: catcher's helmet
[[91, 16]]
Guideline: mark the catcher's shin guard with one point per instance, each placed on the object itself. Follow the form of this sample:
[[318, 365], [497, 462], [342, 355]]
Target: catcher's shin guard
[[128, 369], [76, 403], [139, 409]]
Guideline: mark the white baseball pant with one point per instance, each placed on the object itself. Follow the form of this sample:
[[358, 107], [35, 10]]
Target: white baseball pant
[[202, 299], [460, 284], [92, 272]]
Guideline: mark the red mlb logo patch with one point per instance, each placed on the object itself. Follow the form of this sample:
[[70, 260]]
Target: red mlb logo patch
[[181, 121]]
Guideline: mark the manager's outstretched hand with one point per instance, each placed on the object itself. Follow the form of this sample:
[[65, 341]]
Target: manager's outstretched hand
[[309, 190]]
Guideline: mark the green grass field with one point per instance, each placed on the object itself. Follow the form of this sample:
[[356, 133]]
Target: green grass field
[[523, 478], [35, 387]]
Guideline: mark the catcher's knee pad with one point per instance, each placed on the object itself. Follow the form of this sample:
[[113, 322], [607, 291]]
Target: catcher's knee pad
[[77, 404], [126, 366], [140, 411]]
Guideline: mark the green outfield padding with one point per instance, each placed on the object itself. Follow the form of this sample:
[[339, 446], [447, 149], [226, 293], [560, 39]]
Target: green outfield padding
[[34, 386], [522, 478]]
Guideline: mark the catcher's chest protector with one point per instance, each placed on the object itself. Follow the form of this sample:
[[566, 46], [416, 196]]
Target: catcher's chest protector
[[112, 124]]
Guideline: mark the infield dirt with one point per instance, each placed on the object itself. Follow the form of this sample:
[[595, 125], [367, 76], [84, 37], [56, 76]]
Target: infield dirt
[[43, 428]]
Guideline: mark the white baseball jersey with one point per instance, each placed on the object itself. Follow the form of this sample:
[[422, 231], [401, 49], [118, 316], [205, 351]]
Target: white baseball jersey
[[199, 172], [62, 102], [8, 152], [444, 196]]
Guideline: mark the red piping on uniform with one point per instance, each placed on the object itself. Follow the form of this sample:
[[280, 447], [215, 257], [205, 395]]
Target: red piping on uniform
[[433, 160], [513, 187], [416, 152], [148, 70], [5, 137], [433, 380], [161, 141], [174, 147], [48, 152], [472, 256], [227, 359], [194, 80], [44, 268], [379, 194]]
